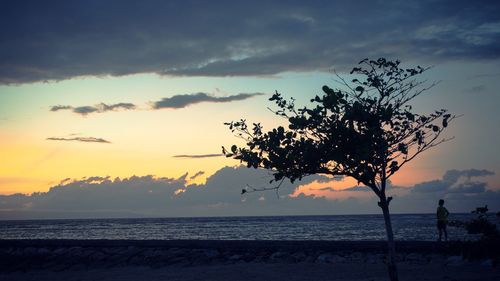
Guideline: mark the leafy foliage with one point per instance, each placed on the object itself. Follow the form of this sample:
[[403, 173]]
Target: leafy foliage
[[366, 129], [488, 246], [481, 224]]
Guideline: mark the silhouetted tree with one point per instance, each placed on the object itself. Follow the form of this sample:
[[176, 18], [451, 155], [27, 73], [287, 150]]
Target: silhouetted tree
[[365, 130]]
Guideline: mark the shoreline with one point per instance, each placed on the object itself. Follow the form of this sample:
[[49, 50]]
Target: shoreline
[[361, 245], [227, 259], [40, 253]]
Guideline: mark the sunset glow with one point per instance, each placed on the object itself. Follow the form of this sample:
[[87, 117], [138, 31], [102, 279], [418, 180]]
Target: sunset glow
[[92, 97]]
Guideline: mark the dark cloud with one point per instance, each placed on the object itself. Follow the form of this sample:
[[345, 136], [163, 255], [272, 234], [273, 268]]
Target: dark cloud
[[452, 176], [84, 110], [220, 196], [197, 155], [460, 189], [484, 75], [99, 108], [361, 188], [469, 187], [154, 196], [431, 186], [176, 101], [451, 182], [476, 89], [180, 101], [60, 107], [324, 189], [80, 139], [64, 39]]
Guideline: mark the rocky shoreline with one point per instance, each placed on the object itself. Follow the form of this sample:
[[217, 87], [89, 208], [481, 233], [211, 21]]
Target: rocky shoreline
[[59, 255]]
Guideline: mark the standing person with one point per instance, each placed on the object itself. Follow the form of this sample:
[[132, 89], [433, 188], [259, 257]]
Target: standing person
[[442, 219]]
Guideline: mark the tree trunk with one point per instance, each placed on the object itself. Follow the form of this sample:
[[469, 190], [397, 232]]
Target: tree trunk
[[391, 247]]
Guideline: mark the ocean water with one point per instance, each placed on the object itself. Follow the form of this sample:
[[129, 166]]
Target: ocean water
[[338, 227]]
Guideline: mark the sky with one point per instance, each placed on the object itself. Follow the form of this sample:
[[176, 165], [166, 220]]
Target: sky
[[117, 108]]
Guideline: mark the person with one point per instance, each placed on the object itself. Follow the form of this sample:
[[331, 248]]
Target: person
[[442, 219]]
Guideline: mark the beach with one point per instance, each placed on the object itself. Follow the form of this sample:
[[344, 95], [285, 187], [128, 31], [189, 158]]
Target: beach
[[235, 260]]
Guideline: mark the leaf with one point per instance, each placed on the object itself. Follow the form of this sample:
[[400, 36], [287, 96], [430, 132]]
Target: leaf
[[445, 123], [410, 116], [360, 89], [403, 148]]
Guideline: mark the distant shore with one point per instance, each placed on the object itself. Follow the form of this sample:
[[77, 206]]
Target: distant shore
[[24, 259]]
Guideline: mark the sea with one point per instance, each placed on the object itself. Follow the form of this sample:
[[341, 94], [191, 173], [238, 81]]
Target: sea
[[332, 227]]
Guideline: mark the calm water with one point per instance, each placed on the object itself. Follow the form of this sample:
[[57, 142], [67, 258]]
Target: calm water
[[343, 227]]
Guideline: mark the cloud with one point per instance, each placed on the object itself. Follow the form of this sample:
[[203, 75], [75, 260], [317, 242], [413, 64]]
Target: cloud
[[80, 139], [180, 101], [324, 189], [140, 196], [361, 188], [200, 173], [452, 176], [197, 155], [176, 101], [60, 107], [99, 108], [158, 196], [475, 89], [431, 186], [460, 189], [468, 188], [228, 38]]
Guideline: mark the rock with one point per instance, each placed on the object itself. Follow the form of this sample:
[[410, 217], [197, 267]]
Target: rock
[[79, 267], [60, 251], [435, 258], [235, 258], [310, 258], [174, 252], [455, 261], [44, 252], [7, 251], [416, 258], [114, 250], [30, 251], [281, 257], [136, 260], [325, 258], [132, 251], [299, 256], [75, 251], [371, 259], [356, 257], [179, 259], [211, 253], [88, 253], [487, 263], [248, 257], [97, 256], [330, 258], [149, 254], [277, 255]]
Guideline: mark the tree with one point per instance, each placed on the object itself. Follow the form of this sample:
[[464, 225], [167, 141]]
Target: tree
[[365, 130]]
